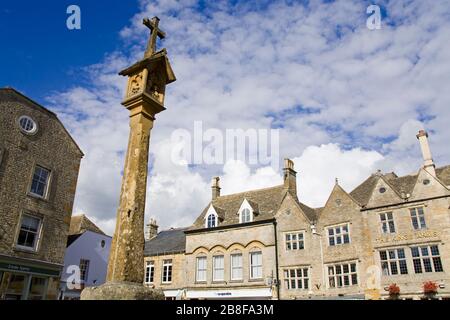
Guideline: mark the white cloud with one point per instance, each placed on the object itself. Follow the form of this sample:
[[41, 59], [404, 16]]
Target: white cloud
[[250, 65]]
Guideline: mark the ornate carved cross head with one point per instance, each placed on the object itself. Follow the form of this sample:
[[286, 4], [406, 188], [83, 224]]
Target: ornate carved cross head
[[155, 32]]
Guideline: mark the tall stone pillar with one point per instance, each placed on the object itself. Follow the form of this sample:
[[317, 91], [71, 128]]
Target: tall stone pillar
[[144, 98]]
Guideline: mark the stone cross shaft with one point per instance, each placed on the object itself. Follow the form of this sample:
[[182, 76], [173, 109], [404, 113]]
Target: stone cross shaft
[[126, 262], [154, 33]]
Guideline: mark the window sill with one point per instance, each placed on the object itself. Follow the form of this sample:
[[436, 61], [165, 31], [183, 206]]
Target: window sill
[[218, 282], [25, 249], [201, 282], [256, 280], [237, 281], [166, 283], [37, 197]]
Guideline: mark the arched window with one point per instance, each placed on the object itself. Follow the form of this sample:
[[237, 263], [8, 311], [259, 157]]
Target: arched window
[[212, 221], [246, 216]]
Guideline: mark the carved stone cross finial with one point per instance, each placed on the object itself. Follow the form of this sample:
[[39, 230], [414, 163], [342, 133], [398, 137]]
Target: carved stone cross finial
[[154, 33]]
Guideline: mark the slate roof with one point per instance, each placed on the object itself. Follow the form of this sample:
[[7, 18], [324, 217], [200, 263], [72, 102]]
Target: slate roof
[[166, 242], [81, 223], [404, 184], [266, 201], [12, 95]]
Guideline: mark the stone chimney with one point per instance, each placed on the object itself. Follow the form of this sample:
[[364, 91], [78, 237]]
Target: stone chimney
[[151, 230], [215, 186], [428, 163], [290, 176]]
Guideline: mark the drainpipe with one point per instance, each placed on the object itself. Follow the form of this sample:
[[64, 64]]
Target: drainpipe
[[277, 273]]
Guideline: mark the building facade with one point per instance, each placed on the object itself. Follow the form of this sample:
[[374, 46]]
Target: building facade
[[266, 244], [86, 258], [39, 165]]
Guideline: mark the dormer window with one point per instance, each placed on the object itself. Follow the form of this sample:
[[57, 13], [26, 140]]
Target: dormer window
[[246, 216], [212, 217], [212, 221], [247, 211]]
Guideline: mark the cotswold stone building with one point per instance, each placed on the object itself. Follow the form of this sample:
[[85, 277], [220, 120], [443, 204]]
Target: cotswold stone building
[[39, 164], [267, 244]]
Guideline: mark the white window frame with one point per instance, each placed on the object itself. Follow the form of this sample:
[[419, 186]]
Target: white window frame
[[388, 224], [288, 278], [37, 234], [84, 269], [393, 261], [341, 235], [47, 183], [259, 266], [211, 215], [150, 272], [299, 243], [198, 270], [419, 217], [218, 269], [167, 266], [211, 211], [342, 274], [238, 267]]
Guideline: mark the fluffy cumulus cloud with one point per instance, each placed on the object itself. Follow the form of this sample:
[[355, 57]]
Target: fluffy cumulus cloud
[[347, 100]]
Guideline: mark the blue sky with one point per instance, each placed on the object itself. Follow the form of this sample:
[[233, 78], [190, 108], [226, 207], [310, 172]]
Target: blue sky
[[347, 103], [41, 55]]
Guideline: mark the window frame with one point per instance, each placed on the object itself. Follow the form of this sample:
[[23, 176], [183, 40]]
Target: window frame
[[387, 222], [261, 266], [215, 270], [417, 216], [395, 260], [203, 257], [84, 269], [431, 257], [304, 279], [150, 272], [46, 194], [167, 263], [38, 233], [336, 275], [341, 234], [297, 242], [233, 267], [208, 219]]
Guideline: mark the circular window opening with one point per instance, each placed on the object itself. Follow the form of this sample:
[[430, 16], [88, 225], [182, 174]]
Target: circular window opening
[[338, 202], [27, 125], [382, 190], [426, 181]]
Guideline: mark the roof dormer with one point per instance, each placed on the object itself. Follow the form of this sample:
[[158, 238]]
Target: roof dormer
[[247, 211], [213, 217]]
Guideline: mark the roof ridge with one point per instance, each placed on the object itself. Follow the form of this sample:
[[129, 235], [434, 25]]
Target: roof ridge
[[254, 190]]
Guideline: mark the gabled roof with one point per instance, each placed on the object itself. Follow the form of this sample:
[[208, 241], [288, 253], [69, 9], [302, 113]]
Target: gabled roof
[[11, 94], [81, 223], [401, 185], [266, 201], [166, 242]]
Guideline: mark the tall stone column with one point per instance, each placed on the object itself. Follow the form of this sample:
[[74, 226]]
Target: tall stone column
[[126, 258], [144, 98]]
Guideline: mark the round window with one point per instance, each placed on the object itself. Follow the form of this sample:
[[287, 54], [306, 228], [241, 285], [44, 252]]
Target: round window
[[426, 181], [27, 125], [103, 243], [382, 190]]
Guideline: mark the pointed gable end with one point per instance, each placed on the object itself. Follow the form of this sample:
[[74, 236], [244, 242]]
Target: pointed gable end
[[428, 186]]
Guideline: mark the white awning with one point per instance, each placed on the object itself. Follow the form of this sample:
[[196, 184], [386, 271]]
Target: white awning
[[229, 293]]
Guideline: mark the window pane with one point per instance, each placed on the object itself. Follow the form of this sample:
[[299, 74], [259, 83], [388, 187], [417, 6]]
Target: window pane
[[346, 238], [437, 264], [434, 250], [417, 266], [401, 253], [427, 265], [415, 251], [383, 255]]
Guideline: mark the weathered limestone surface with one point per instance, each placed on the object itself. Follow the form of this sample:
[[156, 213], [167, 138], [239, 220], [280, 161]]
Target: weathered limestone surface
[[121, 291], [144, 99]]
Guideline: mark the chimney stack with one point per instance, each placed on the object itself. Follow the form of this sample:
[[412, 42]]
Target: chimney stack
[[151, 230], [428, 163], [290, 176], [215, 186]]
